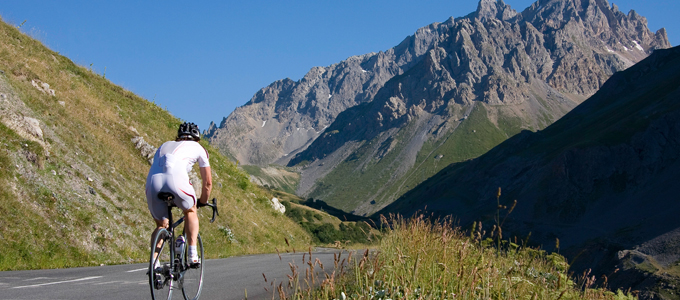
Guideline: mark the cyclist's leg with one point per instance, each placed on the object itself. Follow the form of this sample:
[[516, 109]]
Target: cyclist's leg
[[160, 224], [157, 207], [191, 225], [187, 203]]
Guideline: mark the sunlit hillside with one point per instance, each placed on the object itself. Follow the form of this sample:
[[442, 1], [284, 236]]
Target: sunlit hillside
[[73, 160]]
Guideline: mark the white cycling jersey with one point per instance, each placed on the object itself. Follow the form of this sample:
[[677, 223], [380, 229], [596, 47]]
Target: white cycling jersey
[[170, 173]]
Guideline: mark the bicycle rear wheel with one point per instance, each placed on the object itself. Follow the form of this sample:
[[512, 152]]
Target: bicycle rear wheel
[[160, 278], [192, 279]]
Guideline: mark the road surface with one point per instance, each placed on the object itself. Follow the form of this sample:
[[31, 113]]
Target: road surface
[[229, 278]]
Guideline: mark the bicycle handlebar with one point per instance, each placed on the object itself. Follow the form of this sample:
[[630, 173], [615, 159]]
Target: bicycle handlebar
[[212, 205]]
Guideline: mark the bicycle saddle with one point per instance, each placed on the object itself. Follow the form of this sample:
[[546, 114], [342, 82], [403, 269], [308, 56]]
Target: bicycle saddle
[[165, 196]]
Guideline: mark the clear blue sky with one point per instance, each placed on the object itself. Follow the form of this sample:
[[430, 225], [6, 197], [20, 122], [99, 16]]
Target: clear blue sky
[[202, 60]]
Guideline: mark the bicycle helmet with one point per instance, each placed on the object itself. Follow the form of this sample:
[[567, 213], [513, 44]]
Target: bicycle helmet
[[188, 130]]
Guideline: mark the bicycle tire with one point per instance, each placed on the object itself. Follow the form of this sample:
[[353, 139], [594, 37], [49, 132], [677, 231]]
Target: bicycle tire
[[192, 278], [161, 283]]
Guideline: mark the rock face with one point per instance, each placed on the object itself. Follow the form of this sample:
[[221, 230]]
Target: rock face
[[146, 150], [369, 128], [602, 179], [15, 115]]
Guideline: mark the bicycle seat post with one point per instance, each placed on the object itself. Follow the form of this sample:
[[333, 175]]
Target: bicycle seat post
[[169, 199]]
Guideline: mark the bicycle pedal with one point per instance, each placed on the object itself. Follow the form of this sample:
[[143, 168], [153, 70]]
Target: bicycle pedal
[[194, 265], [158, 282], [157, 270]]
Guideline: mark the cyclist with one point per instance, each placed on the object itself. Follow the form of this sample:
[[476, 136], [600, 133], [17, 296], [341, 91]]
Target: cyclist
[[169, 173]]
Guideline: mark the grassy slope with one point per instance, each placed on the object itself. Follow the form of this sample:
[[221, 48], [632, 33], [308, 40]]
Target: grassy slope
[[67, 220], [472, 138], [326, 229], [278, 177], [295, 201]]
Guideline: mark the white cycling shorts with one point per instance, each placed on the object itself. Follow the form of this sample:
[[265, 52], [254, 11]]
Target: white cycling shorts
[[179, 186]]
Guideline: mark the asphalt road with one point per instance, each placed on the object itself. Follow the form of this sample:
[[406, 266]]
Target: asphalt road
[[229, 278]]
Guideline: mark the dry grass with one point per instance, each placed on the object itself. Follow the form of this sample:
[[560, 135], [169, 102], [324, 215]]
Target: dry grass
[[421, 259]]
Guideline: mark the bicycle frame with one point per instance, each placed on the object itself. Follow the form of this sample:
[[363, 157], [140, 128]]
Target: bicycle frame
[[176, 270], [176, 262]]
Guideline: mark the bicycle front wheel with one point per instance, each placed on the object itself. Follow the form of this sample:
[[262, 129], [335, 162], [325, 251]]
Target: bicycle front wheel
[[160, 273], [192, 279]]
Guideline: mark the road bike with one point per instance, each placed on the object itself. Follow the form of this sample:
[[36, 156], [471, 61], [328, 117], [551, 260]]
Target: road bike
[[169, 270]]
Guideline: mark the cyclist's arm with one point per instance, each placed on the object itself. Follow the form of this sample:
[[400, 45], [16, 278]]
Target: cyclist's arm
[[206, 178]]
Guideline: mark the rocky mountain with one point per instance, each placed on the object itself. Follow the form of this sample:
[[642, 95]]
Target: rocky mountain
[[74, 154], [602, 180], [368, 129], [488, 76]]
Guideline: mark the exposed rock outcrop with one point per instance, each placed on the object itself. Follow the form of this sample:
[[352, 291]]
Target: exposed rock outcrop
[[18, 117], [43, 87], [277, 206], [146, 150]]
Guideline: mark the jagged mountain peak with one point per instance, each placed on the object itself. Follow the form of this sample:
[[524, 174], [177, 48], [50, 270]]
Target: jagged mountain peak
[[597, 15], [494, 9]]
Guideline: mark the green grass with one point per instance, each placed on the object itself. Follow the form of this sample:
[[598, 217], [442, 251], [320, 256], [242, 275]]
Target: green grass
[[364, 174], [421, 259], [509, 124], [326, 230], [473, 137]]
